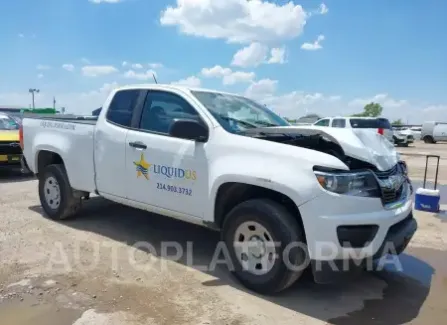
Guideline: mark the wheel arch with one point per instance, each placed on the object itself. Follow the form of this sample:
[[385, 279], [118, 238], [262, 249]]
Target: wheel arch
[[45, 158], [230, 194]]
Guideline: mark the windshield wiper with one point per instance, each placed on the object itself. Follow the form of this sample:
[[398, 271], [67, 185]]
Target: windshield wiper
[[227, 118]]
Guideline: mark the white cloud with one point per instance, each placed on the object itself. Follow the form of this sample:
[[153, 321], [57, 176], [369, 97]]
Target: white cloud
[[255, 54], [261, 88], [43, 67], [98, 70], [228, 76], [237, 21], [334, 98], [323, 9], [131, 74], [215, 72], [85, 60], [238, 77], [250, 56], [40, 76], [298, 103], [383, 99], [315, 45], [277, 55], [155, 65], [68, 67], [137, 66], [192, 81]]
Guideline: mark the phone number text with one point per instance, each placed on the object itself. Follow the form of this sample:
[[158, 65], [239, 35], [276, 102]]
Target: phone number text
[[174, 189]]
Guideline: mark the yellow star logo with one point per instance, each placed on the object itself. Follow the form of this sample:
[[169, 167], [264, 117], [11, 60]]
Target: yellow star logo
[[142, 167]]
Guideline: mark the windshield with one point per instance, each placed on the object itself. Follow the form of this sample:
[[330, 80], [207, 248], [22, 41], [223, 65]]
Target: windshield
[[7, 123], [373, 123], [237, 113]]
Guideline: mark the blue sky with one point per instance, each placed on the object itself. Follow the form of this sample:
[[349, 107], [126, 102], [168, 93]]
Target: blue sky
[[392, 52]]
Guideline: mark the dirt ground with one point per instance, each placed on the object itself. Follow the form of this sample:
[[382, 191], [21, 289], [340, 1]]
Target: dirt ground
[[91, 270], [415, 156]]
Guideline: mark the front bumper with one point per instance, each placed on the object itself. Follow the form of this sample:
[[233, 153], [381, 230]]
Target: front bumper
[[395, 242], [346, 231]]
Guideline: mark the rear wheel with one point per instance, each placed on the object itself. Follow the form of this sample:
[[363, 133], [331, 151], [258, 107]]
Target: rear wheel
[[429, 139], [58, 199], [266, 245]]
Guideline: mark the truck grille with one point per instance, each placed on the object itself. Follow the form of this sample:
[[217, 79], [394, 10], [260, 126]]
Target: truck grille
[[10, 148], [390, 192]]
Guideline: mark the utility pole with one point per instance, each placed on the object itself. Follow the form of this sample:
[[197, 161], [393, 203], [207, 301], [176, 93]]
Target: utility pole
[[54, 102], [32, 91]]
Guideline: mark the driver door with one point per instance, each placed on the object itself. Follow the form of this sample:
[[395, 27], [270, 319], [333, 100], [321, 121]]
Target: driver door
[[164, 171]]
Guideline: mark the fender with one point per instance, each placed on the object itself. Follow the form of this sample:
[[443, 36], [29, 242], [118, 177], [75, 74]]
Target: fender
[[280, 175]]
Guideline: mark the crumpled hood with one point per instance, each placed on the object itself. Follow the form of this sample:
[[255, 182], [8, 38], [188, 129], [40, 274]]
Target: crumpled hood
[[362, 144], [9, 135]]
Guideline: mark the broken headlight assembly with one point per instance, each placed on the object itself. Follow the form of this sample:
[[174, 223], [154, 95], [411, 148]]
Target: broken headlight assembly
[[361, 183]]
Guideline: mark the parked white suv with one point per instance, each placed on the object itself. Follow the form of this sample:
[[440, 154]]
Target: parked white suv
[[403, 136], [380, 124]]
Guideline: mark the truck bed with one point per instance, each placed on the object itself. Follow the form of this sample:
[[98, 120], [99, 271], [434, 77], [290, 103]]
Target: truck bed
[[70, 137], [64, 118]]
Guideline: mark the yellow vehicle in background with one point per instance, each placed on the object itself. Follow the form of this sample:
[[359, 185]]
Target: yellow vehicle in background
[[10, 150]]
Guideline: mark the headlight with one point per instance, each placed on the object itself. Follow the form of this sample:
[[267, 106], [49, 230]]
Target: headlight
[[348, 183]]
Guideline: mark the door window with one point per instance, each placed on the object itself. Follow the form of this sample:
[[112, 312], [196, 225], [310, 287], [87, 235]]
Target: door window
[[122, 106], [161, 108], [324, 122], [339, 123]]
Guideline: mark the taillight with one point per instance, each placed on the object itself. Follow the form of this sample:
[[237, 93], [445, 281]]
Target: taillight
[[21, 136], [380, 131]]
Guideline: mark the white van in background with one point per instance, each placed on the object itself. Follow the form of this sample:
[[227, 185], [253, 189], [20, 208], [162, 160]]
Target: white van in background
[[434, 131]]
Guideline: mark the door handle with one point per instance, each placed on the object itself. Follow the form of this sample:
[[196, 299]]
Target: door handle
[[138, 145]]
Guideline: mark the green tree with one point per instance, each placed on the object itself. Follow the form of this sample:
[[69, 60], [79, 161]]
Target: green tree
[[371, 110], [397, 122]]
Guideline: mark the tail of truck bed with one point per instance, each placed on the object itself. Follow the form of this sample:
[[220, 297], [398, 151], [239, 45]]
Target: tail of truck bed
[[57, 139]]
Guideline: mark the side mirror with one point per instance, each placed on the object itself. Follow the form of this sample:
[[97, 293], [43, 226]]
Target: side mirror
[[189, 129]]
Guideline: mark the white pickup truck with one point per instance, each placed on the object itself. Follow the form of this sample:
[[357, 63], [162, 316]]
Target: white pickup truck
[[283, 197]]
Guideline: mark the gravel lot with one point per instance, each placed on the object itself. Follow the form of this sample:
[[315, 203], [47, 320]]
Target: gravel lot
[[86, 271]]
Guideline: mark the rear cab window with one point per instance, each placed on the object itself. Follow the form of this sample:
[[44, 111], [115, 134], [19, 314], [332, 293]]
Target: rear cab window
[[122, 106], [338, 123], [373, 123]]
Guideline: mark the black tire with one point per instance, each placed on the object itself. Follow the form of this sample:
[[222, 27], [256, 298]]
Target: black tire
[[284, 229], [429, 139], [70, 202]]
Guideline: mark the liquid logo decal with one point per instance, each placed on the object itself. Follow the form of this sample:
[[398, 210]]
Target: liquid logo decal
[[143, 168]]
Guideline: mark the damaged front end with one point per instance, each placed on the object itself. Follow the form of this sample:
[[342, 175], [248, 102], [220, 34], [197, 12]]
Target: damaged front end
[[374, 166]]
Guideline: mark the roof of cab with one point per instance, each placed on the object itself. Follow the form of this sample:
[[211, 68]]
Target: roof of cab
[[172, 87]]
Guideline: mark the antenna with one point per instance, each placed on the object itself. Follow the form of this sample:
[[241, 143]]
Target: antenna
[[153, 75]]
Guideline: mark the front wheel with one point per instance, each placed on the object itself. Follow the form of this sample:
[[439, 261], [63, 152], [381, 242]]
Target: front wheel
[[266, 245], [58, 199]]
